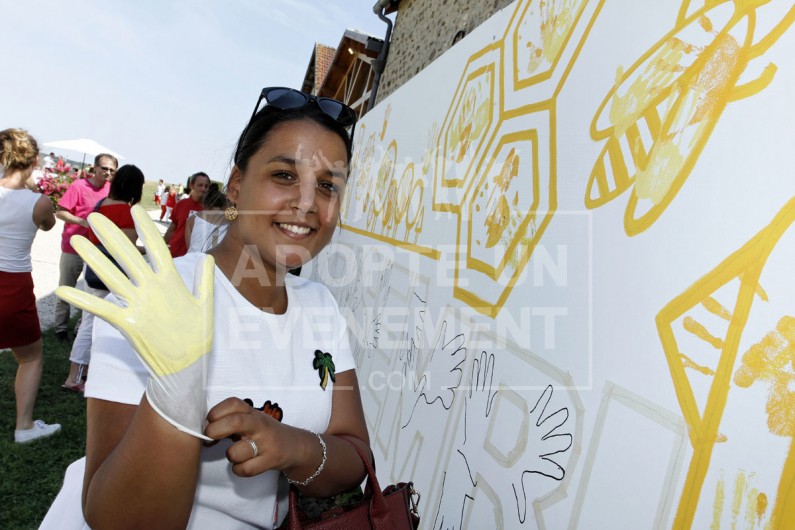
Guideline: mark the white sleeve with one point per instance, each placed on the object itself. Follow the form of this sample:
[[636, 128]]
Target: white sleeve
[[115, 374], [344, 357]]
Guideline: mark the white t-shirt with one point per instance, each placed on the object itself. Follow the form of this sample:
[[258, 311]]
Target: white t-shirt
[[17, 229], [205, 235], [255, 355]]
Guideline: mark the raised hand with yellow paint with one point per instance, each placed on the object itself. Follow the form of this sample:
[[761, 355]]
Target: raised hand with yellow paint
[[154, 304]]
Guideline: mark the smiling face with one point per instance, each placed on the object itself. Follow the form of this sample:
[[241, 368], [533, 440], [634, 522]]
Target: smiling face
[[289, 195]]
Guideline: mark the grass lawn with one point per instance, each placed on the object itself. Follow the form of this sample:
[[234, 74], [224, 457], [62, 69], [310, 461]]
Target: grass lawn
[[33, 473], [148, 198]]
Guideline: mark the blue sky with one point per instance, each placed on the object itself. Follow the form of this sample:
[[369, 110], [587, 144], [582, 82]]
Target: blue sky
[[169, 84]]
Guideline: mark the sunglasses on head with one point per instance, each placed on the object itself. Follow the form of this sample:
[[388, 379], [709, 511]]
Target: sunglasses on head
[[289, 99]]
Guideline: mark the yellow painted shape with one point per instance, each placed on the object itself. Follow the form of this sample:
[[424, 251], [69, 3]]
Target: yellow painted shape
[[692, 326], [431, 150], [739, 494], [415, 213], [470, 113], [542, 31], [784, 510], [387, 113], [492, 270], [760, 292], [499, 210], [469, 74], [409, 247], [717, 505], [757, 506], [687, 362], [772, 359], [613, 157], [746, 264], [694, 82], [716, 308]]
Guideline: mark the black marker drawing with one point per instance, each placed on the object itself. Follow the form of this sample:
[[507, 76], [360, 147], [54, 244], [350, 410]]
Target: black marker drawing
[[444, 362]]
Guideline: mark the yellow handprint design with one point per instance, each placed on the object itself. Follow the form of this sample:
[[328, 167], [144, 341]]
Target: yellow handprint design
[[155, 303]]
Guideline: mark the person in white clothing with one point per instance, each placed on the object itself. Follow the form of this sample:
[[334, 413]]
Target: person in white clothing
[[161, 187], [165, 209], [206, 228], [264, 372], [22, 213]]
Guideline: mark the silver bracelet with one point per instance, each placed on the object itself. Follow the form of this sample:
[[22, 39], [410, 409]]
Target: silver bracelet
[[317, 471]]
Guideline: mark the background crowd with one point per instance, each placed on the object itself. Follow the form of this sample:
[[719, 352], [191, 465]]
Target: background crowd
[[35, 191]]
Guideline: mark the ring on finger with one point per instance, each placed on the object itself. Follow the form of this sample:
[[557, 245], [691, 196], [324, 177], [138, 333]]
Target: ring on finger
[[253, 445]]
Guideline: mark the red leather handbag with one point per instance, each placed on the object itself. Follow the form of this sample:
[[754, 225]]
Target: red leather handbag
[[394, 508]]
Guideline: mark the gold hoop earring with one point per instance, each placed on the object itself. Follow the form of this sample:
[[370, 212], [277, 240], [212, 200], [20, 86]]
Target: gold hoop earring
[[231, 213]]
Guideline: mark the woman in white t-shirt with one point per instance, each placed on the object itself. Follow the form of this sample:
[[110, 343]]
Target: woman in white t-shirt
[[206, 228], [279, 379], [22, 213]]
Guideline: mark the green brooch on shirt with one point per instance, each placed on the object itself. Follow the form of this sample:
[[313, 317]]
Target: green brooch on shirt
[[325, 368]]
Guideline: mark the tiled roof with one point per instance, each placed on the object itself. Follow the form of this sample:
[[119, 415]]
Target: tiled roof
[[323, 57]]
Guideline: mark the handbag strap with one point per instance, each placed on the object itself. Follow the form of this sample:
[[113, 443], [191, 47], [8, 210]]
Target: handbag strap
[[379, 510]]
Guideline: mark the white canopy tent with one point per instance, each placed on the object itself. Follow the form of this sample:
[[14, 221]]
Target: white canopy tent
[[86, 146]]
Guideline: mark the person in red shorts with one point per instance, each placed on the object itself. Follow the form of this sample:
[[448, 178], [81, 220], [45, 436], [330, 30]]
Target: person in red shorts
[[198, 185], [22, 213]]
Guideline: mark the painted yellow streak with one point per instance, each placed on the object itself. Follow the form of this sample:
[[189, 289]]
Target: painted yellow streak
[[689, 363], [692, 326], [716, 308], [761, 293], [757, 506], [737, 499], [717, 505], [387, 113]]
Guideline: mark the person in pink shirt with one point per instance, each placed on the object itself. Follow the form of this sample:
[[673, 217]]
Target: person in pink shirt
[[73, 209]]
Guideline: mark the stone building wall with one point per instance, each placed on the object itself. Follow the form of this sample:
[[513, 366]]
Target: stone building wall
[[424, 29]]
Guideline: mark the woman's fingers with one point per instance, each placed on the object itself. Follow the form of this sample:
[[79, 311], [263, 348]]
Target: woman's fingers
[[111, 276], [120, 247], [243, 450], [88, 302], [229, 406], [156, 250]]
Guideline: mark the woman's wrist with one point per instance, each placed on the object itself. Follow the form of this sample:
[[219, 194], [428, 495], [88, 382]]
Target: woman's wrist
[[299, 481]]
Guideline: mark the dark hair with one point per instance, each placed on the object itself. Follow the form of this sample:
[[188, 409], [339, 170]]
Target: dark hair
[[193, 178], [105, 155], [214, 199], [127, 185], [268, 117]]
